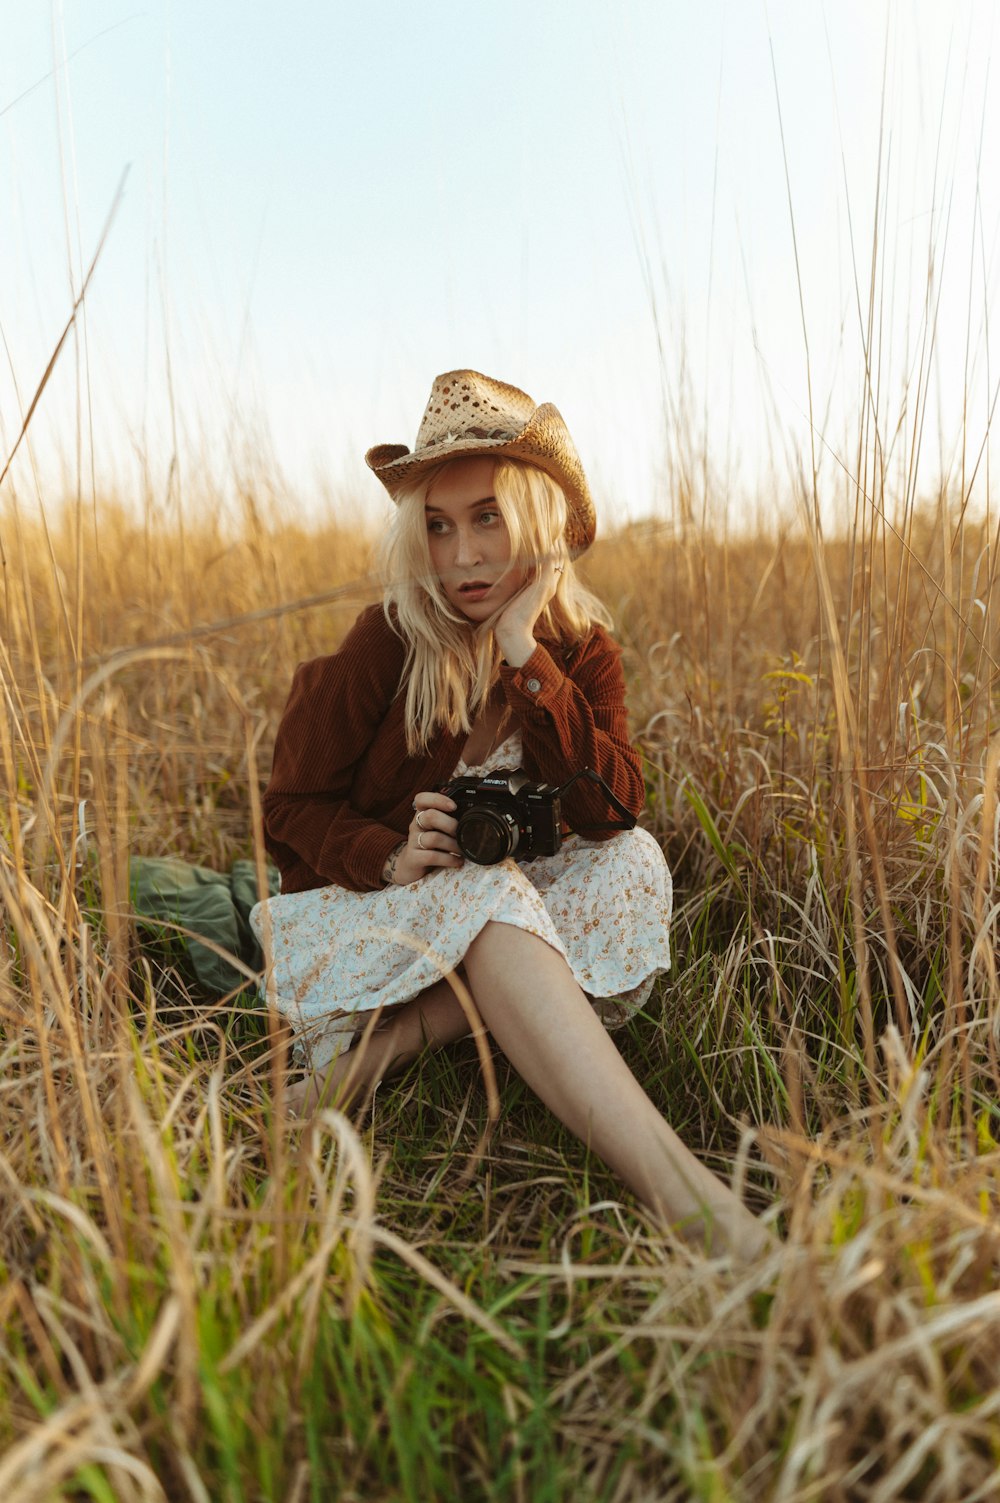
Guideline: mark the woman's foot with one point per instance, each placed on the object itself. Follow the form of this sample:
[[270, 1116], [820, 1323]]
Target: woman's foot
[[348, 1082], [432, 1018], [731, 1230]]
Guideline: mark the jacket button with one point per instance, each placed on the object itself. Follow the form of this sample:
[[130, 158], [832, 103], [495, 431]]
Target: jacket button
[[533, 686]]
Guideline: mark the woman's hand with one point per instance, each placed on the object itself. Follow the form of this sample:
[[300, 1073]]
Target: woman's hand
[[515, 630], [430, 840]]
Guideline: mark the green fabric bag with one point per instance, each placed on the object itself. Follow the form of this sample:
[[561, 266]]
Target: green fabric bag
[[214, 906]]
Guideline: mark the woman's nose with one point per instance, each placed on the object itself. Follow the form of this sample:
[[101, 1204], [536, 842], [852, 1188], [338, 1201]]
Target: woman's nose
[[467, 549]]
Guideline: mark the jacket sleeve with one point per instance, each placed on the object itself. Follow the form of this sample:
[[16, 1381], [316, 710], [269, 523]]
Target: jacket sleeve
[[572, 717], [334, 710]]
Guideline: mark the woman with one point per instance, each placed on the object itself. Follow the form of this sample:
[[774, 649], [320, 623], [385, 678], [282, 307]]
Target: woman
[[486, 654]]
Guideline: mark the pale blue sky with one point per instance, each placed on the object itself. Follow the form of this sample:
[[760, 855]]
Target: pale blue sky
[[329, 203]]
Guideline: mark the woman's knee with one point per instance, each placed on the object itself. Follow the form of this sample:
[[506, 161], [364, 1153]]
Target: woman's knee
[[493, 938], [509, 956]]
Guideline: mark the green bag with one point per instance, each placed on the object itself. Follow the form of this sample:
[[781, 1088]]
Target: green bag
[[212, 905]]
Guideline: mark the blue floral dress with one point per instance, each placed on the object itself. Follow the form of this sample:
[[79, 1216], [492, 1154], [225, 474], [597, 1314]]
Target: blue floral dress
[[333, 956]]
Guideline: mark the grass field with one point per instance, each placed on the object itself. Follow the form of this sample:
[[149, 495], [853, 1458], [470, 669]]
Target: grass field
[[198, 1300]]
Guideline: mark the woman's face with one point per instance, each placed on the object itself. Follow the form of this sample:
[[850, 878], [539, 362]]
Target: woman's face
[[468, 540]]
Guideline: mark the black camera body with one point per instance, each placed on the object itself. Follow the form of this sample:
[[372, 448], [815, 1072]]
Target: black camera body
[[505, 814]]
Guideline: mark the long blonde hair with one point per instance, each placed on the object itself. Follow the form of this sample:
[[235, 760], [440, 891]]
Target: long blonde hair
[[452, 663]]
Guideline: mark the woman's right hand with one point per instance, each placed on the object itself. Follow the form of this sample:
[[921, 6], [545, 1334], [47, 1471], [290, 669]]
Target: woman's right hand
[[430, 840]]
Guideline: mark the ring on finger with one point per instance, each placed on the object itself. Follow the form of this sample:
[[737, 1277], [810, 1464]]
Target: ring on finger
[[420, 842], [420, 823]]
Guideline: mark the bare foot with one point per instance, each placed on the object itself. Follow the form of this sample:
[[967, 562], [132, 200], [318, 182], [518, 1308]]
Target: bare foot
[[345, 1083], [728, 1229], [745, 1239]]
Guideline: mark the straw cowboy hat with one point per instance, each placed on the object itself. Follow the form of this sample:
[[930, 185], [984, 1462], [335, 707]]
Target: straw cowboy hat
[[471, 414]]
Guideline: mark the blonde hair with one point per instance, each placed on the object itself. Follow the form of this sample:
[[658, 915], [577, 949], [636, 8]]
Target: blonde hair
[[453, 663]]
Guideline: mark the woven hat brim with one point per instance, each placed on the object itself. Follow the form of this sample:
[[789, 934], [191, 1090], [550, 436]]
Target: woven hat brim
[[544, 442]]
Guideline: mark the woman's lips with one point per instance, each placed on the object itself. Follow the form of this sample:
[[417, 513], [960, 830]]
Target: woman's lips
[[474, 591]]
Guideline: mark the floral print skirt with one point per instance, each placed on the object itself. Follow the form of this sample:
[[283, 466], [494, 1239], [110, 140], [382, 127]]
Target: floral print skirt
[[333, 956]]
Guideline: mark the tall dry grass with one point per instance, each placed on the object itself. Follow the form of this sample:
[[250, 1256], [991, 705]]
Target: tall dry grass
[[202, 1301]]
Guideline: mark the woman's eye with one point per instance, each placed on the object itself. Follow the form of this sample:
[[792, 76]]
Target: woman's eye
[[436, 524], [489, 517]]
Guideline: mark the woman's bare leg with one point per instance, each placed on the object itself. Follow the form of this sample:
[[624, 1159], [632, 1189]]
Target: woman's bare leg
[[434, 1018], [549, 1031], [547, 1028]]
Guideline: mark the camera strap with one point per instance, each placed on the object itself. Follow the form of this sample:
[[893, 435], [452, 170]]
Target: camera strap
[[627, 821]]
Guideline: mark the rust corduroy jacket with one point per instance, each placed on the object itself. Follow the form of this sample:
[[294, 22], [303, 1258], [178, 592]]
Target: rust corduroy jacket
[[342, 784]]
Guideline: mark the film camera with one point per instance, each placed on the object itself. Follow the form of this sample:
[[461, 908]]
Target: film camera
[[505, 813]]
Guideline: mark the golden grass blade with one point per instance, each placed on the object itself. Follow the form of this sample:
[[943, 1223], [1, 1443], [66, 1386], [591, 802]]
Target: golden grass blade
[[78, 303]]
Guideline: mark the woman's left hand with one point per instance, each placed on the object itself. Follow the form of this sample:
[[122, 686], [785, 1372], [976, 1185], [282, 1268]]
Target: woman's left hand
[[515, 630]]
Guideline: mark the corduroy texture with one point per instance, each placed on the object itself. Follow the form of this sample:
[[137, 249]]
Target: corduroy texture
[[342, 783], [471, 414]]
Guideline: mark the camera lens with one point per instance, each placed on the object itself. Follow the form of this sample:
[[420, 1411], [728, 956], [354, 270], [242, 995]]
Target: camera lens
[[487, 835]]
